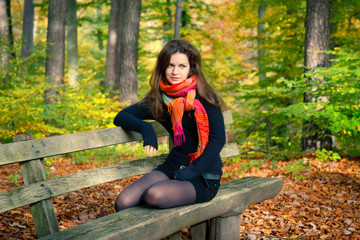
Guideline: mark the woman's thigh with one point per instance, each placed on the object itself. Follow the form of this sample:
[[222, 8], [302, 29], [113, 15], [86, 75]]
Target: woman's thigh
[[132, 195], [170, 193]]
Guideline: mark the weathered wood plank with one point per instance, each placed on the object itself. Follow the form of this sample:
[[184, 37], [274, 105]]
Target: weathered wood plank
[[226, 228], [175, 236], [43, 212], [229, 150], [228, 119], [53, 187], [56, 145], [137, 222], [199, 231]]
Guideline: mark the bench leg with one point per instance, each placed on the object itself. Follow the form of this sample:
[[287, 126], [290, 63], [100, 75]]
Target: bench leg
[[175, 236], [225, 228], [198, 231], [43, 212]]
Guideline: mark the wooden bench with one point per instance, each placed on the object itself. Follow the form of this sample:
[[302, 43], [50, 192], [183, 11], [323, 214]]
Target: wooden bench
[[217, 219]]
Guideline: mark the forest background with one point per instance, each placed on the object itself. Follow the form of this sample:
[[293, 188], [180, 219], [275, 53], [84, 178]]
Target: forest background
[[253, 55]]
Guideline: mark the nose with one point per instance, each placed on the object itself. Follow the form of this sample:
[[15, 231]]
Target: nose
[[175, 70]]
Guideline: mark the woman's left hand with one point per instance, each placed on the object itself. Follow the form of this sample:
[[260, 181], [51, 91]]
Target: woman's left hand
[[150, 150]]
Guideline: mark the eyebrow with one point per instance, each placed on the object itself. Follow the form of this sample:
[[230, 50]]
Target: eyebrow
[[179, 63]]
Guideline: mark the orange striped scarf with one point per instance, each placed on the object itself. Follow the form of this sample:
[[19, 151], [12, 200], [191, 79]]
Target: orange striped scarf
[[178, 98]]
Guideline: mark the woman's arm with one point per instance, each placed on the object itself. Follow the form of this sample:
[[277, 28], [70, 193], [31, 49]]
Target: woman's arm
[[131, 118]]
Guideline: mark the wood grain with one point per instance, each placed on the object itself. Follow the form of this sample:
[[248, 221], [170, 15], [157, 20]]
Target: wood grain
[[145, 223]]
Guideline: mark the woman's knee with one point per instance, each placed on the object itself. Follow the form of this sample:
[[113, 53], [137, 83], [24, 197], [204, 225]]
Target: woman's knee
[[154, 198], [122, 202]]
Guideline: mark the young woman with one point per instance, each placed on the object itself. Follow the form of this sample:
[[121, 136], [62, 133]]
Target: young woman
[[190, 110]]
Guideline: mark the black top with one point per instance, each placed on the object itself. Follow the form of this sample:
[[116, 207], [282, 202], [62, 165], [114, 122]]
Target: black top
[[131, 118]]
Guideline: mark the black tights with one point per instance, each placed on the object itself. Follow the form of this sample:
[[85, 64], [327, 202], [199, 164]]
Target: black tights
[[156, 190]]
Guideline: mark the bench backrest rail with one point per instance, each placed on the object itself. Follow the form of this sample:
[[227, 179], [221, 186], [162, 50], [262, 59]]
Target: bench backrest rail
[[57, 145], [45, 189]]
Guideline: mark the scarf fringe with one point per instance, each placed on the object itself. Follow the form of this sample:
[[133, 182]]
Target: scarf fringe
[[179, 136], [193, 156]]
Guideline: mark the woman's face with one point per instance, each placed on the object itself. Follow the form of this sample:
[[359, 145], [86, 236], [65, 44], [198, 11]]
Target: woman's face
[[178, 69]]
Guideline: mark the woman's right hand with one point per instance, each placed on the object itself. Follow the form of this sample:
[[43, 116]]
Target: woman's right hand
[[150, 150]]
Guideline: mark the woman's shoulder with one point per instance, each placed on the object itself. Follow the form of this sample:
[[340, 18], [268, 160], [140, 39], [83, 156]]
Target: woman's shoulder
[[139, 108], [205, 102], [144, 103]]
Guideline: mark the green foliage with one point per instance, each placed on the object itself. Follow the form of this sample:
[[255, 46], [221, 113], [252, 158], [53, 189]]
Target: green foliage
[[22, 107], [114, 154], [341, 84], [97, 156], [81, 109], [282, 41], [21, 97], [225, 33], [48, 162], [14, 178], [296, 168], [280, 96], [245, 166], [324, 155]]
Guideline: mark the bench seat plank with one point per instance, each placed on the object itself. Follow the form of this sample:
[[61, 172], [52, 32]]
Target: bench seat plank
[[144, 223]]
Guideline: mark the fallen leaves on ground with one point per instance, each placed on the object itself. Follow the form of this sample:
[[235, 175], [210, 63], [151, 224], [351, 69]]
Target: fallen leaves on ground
[[325, 205]]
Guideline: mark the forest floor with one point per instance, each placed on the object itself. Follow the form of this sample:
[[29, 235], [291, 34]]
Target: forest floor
[[324, 205]]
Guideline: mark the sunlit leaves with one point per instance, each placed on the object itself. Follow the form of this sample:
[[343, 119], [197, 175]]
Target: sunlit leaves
[[285, 82]]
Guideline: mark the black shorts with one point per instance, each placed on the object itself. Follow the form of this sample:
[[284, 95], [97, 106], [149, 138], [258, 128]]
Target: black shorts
[[206, 189]]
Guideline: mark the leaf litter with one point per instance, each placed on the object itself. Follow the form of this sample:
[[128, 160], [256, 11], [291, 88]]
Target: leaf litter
[[324, 205]]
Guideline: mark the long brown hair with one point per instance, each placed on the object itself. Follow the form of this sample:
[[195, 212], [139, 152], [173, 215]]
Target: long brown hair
[[204, 89]]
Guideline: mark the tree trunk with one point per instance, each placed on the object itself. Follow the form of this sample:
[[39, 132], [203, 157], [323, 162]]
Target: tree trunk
[[4, 34], [11, 34], [55, 56], [261, 52], [177, 19], [167, 25], [184, 16], [129, 52], [4, 40], [317, 38], [72, 39], [112, 69], [27, 43], [99, 33]]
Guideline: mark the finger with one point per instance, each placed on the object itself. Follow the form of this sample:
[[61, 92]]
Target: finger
[[147, 149], [153, 151], [150, 150]]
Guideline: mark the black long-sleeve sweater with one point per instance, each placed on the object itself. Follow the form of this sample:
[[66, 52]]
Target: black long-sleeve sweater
[[131, 118]]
